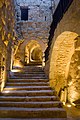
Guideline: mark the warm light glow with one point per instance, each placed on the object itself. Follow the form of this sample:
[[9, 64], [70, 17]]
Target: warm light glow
[[2, 86], [15, 70], [17, 63], [6, 42], [73, 104], [6, 91], [70, 83], [68, 105], [63, 103]]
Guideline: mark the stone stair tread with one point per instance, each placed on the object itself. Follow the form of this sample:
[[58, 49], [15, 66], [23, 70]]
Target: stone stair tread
[[32, 112], [32, 109], [23, 77], [47, 102], [16, 88], [28, 95], [25, 91], [26, 87], [27, 84], [31, 104], [27, 73], [28, 98], [30, 74], [27, 79], [37, 119], [12, 81]]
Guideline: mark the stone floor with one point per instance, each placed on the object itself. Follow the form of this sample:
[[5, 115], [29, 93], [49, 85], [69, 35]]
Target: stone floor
[[73, 113]]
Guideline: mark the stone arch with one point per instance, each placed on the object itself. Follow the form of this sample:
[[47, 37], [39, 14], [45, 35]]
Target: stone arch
[[21, 54], [34, 53], [40, 42], [60, 60]]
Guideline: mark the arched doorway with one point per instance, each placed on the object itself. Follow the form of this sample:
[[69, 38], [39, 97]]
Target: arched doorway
[[24, 50], [36, 55], [33, 53], [60, 72]]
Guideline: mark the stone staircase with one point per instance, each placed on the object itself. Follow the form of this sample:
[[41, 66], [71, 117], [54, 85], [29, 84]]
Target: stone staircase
[[28, 95]]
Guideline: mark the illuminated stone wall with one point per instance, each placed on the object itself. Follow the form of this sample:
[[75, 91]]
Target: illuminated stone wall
[[62, 55], [7, 28], [38, 23], [39, 19], [74, 73]]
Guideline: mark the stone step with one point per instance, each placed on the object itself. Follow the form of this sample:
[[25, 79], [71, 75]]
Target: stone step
[[29, 93], [15, 112], [31, 104], [29, 99], [27, 84], [37, 119], [32, 69], [30, 72], [8, 88], [28, 77], [28, 80]]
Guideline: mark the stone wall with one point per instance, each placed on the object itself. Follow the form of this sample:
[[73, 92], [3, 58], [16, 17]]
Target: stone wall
[[7, 28], [39, 19], [38, 23], [61, 52]]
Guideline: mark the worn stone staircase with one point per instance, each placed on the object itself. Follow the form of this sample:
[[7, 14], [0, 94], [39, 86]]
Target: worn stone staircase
[[28, 95]]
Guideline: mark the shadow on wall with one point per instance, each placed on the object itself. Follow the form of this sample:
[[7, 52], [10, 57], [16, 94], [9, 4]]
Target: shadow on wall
[[65, 65]]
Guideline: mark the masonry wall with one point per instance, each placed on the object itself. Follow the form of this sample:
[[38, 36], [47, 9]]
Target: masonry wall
[[7, 28], [38, 24], [61, 53]]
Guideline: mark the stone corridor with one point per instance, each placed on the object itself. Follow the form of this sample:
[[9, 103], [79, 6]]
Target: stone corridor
[[40, 59]]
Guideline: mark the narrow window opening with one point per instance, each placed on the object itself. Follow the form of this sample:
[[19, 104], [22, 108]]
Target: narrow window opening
[[24, 13], [45, 18]]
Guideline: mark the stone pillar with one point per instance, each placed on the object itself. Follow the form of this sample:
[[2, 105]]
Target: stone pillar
[[43, 60], [12, 59], [8, 59]]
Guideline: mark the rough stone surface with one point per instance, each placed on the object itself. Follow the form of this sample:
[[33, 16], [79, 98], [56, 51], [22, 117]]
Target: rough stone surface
[[37, 26], [62, 52], [30, 103], [7, 28]]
